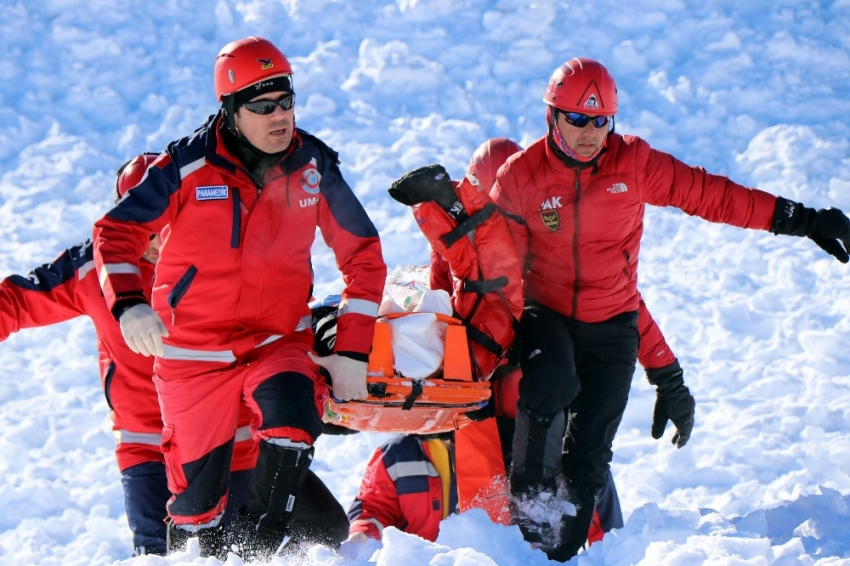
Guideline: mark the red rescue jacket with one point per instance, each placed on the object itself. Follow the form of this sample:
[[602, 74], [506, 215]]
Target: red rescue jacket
[[654, 351], [402, 489], [579, 248], [235, 269], [486, 284], [68, 288]]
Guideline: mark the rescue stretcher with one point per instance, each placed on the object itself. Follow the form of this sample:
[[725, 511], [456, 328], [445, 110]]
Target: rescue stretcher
[[399, 404]]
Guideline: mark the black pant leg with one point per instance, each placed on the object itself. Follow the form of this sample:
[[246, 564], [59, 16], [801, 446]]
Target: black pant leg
[[606, 360], [547, 358], [548, 384]]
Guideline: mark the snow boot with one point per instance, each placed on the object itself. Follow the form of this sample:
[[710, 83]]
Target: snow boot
[[573, 529], [260, 529], [210, 540]]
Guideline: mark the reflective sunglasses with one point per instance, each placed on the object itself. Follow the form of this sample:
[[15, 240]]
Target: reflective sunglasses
[[582, 120], [266, 107]]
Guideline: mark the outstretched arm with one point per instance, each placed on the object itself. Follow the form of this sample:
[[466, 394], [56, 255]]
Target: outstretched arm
[[47, 295]]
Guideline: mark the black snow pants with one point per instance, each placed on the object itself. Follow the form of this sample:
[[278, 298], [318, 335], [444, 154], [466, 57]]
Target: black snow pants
[[575, 384]]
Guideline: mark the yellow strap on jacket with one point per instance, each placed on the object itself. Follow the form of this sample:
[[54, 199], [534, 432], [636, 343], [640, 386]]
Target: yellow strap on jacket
[[441, 462]]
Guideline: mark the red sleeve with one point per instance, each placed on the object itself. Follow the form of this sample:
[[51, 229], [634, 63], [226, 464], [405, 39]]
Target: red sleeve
[[122, 236], [47, 295], [376, 506], [666, 181], [348, 231], [441, 277], [505, 193], [654, 352]]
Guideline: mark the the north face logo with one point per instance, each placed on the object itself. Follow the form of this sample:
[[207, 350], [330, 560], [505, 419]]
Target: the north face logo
[[591, 103], [617, 188], [551, 203]]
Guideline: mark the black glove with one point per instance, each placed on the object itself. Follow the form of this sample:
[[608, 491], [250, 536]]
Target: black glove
[[429, 183], [483, 413], [673, 401], [827, 227]]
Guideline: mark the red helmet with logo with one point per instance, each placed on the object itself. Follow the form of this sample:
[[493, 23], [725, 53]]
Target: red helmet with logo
[[582, 85], [242, 63], [132, 172], [487, 159]]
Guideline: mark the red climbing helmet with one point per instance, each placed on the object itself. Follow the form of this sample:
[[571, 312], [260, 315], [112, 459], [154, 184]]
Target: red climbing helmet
[[487, 159], [582, 85], [132, 172], [247, 61]]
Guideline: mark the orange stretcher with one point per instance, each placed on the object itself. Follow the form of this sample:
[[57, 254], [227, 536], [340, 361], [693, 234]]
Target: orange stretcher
[[399, 404]]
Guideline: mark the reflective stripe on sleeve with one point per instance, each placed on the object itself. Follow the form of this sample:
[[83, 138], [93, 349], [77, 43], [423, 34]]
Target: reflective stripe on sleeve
[[190, 168], [83, 271], [128, 437], [117, 269], [358, 306], [407, 469]]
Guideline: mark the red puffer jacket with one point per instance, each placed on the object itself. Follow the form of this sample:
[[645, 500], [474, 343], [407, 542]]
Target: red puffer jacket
[[68, 288], [579, 249], [235, 270]]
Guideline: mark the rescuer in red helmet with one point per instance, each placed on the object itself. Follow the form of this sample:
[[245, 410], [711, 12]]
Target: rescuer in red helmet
[[579, 192], [237, 203]]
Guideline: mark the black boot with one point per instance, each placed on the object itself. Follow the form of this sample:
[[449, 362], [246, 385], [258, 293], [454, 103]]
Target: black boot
[[177, 537], [536, 463], [210, 540], [260, 528], [574, 529]]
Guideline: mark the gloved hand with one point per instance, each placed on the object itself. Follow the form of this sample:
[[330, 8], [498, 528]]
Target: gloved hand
[[829, 228], [348, 376], [483, 413], [673, 401], [143, 330], [428, 183]]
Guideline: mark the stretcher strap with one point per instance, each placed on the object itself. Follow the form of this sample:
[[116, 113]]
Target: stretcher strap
[[415, 393], [468, 225], [485, 341], [484, 285]]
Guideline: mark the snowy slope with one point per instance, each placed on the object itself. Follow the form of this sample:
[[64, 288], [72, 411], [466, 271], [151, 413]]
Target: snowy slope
[[759, 91]]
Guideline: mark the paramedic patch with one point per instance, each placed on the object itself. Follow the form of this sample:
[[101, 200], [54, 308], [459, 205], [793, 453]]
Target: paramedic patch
[[216, 192]]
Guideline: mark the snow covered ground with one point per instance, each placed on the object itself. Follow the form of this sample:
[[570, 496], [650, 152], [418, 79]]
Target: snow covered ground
[[757, 90]]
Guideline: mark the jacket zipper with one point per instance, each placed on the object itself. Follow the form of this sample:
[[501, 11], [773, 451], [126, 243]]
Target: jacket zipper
[[577, 276], [237, 219], [107, 384], [179, 290]]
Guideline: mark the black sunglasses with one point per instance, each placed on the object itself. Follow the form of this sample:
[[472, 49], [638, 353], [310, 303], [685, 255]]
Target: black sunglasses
[[266, 107], [582, 120]]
